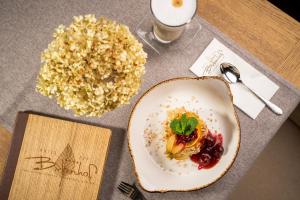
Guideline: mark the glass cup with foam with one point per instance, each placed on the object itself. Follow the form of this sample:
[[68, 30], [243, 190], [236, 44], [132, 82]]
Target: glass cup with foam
[[171, 18]]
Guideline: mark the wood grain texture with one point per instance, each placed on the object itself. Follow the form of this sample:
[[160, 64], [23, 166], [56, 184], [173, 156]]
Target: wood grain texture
[[261, 28], [5, 139], [61, 159], [291, 66]]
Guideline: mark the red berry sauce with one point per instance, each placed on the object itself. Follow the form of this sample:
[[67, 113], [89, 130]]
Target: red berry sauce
[[186, 138], [211, 151]]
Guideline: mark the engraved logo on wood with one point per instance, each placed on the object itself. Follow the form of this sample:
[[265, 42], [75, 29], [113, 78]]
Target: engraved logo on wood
[[65, 163], [65, 166]]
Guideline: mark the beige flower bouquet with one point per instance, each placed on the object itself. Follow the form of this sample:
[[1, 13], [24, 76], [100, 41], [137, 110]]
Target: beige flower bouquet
[[92, 67]]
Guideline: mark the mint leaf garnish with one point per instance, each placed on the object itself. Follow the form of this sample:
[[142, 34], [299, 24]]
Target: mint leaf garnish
[[176, 126], [183, 121], [184, 126], [191, 125]]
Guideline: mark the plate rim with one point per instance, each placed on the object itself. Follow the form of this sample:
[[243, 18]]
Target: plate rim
[[176, 79]]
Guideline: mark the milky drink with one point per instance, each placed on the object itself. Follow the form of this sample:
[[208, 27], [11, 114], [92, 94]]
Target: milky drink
[[171, 17]]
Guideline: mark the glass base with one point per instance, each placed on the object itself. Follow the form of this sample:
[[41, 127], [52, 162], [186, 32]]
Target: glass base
[[160, 40], [145, 31]]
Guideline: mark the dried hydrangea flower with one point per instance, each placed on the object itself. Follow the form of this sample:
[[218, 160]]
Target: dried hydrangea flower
[[92, 67]]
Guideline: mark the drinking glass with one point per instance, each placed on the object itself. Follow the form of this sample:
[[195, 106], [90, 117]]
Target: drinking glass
[[161, 36]]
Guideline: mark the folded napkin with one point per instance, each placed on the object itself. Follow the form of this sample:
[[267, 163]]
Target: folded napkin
[[208, 64]]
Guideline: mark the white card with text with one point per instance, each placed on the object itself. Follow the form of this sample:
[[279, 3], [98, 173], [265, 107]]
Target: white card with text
[[208, 64]]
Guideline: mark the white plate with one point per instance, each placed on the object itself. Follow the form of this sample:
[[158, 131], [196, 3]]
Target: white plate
[[211, 98]]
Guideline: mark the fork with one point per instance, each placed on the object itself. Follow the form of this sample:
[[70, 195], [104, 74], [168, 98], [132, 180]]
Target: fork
[[131, 191]]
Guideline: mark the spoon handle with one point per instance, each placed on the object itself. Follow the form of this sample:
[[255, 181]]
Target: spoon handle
[[269, 104]]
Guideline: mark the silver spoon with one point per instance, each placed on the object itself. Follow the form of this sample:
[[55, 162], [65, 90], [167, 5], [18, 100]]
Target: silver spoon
[[232, 75]]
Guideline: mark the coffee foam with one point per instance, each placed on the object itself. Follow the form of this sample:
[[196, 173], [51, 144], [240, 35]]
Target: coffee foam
[[170, 15]]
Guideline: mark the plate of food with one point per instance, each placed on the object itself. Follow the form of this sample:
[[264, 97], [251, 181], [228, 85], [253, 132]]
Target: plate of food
[[183, 134]]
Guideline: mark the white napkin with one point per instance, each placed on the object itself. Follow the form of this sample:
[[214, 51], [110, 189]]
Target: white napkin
[[208, 64]]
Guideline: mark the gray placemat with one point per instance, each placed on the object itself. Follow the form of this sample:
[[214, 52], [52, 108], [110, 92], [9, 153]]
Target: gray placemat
[[26, 29]]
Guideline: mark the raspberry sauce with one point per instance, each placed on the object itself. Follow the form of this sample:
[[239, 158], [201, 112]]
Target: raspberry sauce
[[211, 151], [186, 138]]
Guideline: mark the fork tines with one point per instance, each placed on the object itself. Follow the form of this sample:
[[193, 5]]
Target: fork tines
[[128, 190]]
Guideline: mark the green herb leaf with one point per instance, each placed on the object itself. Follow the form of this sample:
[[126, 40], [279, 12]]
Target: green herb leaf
[[176, 126], [185, 125], [191, 125], [183, 121]]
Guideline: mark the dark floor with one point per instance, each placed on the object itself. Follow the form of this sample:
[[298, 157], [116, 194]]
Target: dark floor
[[291, 7], [276, 173]]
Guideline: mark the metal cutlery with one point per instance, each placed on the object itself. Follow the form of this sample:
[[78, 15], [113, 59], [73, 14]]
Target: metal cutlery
[[232, 75], [131, 191]]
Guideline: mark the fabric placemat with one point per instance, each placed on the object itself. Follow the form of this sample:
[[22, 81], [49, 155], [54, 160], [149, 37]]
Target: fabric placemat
[[26, 29]]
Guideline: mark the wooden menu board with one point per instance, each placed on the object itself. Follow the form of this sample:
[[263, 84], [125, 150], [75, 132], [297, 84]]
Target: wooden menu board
[[54, 159]]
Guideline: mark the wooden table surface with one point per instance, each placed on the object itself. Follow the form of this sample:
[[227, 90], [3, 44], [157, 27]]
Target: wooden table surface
[[256, 25], [261, 28]]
